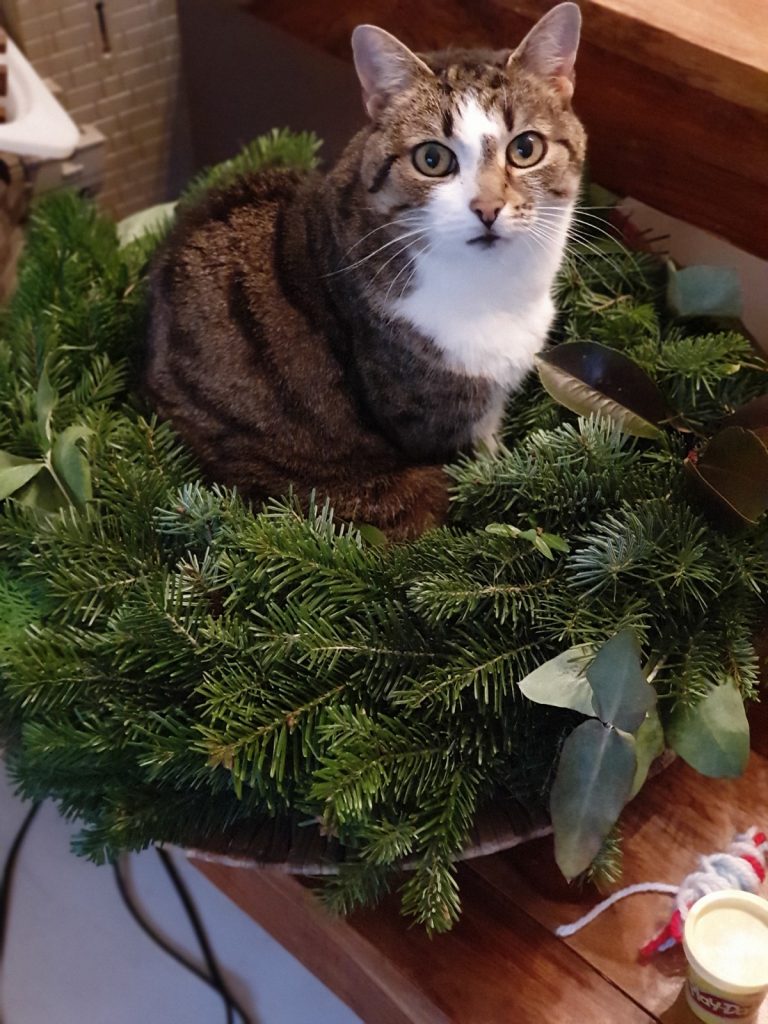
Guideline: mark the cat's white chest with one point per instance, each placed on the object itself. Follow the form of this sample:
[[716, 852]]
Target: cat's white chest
[[488, 311]]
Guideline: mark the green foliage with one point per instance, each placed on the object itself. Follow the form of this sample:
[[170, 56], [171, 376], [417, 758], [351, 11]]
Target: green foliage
[[713, 736], [175, 666], [605, 760], [278, 148]]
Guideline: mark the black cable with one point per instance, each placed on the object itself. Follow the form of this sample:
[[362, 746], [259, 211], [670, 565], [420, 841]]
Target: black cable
[[194, 919], [6, 883], [8, 872], [214, 979]]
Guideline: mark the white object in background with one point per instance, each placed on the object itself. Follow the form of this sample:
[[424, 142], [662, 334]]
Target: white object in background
[[37, 124]]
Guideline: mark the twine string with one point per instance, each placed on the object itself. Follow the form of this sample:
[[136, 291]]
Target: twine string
[[741, 866]]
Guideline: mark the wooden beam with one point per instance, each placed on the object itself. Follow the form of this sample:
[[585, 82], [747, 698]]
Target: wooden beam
[[674, 93]]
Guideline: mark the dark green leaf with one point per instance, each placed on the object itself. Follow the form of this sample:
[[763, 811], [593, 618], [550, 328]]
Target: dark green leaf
[[562, 682], [732, 473], [649, 744], [713, 736], [589, 378], [13, 477], [622, 694], [593, 782], [752, 416], [71, 465], [704, 291]]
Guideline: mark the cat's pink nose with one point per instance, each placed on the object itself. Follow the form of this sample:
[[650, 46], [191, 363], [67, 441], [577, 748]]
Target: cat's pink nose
[[486, 209]]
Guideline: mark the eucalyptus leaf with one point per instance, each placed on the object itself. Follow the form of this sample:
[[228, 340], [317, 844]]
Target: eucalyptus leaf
[[556, 543], [593, 782], [704, 291], [372, 535], [649, 744], [43, 493], [622, 694], [70, 463], [713, 735], [732, 473], [45, 401], [543, 542], [8, 459], [561, 682], [154, 218], [589, 378], [13, 478]]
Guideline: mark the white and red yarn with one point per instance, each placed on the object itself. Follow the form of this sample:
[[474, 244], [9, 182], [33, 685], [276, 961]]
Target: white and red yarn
[[741, 866]]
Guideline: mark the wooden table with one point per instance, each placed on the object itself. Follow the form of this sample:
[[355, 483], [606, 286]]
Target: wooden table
[[502, 962]]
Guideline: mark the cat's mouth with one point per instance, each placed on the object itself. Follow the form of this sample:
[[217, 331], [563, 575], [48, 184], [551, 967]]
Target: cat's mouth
[[485, 240]]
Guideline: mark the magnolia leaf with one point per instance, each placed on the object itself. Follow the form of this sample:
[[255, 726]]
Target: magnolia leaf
[[589, 378], [622, 694], [752, 416], [46, 400], [13, 477], [562, 682], [593, 782], [732, 472], [43, 494], [649, 744], [713, 735], [71, 465], [704, 291]]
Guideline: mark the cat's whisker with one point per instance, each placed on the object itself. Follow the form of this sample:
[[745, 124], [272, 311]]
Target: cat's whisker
[[597, 227], [424, 252], [399, 251], [409, 262], [401, 222], [381, 248], [572, 255], [534, 237], [591, 248]]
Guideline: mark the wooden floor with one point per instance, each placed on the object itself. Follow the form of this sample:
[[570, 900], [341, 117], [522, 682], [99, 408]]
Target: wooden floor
[[502, 963]]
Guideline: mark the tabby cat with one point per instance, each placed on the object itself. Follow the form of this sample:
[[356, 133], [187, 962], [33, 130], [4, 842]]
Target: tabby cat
[[349, 333]]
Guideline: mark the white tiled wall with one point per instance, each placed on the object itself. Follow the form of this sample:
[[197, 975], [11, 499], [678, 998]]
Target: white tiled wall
[[130, 94]]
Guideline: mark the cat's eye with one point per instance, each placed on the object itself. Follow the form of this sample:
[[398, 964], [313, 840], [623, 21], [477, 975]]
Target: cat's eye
[[526, 149], [434, 159]]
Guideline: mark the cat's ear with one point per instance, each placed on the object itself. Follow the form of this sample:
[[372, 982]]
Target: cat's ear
[[384, 66], [550, 47]]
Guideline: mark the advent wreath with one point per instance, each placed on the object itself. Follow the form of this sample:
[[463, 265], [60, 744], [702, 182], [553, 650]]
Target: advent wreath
[[178, 667]]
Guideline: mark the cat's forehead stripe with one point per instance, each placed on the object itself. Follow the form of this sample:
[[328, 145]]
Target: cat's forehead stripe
[[473, 123]]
